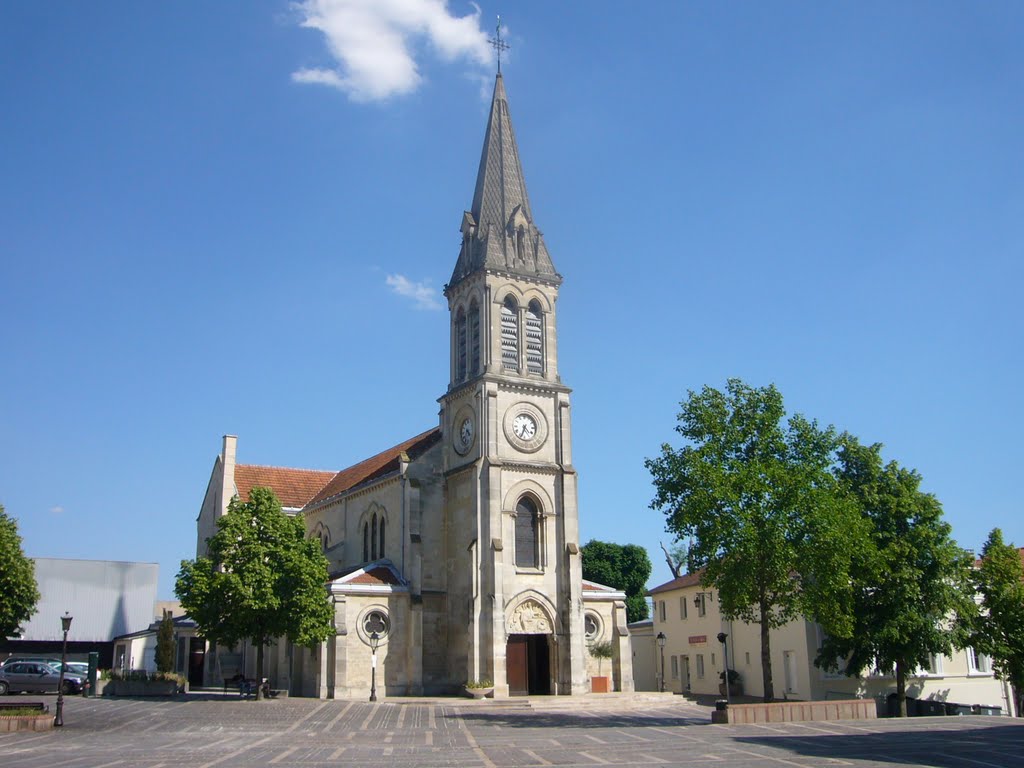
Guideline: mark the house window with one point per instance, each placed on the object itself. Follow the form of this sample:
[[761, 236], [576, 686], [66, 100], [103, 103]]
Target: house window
[[510, 335], [712, 661], [700, 666], [460, 345], [373, 538], [702, 606], [526, 533], [382, 536], [366, 542], [746, 658], [978, 663], [934, 666], [661, 610], [534, 338], [675, 667], [474, 338], [682, 608]]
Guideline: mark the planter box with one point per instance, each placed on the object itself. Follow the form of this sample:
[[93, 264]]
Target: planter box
[[797, 711], [11, 723], [599, 684], [479, 693], [140, 688]]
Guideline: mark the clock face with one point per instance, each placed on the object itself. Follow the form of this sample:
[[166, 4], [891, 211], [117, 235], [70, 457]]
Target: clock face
[[524, 426], [466, 432]]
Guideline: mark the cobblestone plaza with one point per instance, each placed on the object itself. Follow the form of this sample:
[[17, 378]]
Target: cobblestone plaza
[[202, 732]]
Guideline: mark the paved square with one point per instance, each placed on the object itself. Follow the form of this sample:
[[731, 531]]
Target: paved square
[[201, 732]]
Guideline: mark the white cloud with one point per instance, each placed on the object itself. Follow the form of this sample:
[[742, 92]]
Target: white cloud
[[423, 296], [56, 510], [372, 42]]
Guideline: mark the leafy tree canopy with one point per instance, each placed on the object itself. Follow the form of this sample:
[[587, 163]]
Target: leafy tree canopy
[[622, 566], [911, 592], [261, 580], [755, 492], [998, 630], [17, 579]]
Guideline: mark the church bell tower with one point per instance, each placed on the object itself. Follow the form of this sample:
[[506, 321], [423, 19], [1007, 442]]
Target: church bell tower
[[510, 488]]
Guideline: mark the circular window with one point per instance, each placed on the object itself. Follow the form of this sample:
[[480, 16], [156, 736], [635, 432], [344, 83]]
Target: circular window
[[376, 621], [591, 627]]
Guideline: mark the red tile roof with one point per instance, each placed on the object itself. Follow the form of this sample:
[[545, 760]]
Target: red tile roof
[[378, 575], [293, 487], [376, 466], [686, 580]]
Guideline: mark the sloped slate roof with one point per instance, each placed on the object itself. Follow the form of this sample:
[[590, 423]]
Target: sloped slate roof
[[505, 236], [377, 466], [293, 487]]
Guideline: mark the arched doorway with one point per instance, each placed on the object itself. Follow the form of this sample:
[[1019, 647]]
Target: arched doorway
[[528, 650]]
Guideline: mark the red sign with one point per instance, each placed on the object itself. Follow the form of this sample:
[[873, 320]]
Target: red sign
[[697, 639]]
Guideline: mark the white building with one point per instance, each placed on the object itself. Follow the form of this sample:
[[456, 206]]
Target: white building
[[689, 617]]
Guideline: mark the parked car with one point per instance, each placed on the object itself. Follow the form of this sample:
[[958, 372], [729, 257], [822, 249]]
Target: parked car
[[44, 659], [35, 676], [79, 668]]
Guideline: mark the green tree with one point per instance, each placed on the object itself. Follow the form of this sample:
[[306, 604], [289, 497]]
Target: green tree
[[165, 644], [756, 494], [912, 595], [17, 579], [261, 580], [622, 566], [998, 631]]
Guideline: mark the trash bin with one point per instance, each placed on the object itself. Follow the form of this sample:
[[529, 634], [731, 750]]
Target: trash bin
[[983, 710], [930, 708]]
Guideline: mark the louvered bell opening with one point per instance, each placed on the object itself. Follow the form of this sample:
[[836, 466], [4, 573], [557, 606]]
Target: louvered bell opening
[[509, 338], [534, 342]]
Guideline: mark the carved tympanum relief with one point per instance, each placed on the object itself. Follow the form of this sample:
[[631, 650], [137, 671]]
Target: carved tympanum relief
[[529, 618]]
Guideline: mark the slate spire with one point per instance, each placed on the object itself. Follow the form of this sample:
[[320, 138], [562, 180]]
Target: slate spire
[[498, 233]]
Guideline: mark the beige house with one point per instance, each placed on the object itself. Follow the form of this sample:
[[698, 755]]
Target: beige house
[[688, 615], [460, 546]]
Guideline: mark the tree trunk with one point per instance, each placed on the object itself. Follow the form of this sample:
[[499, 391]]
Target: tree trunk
[[676, 568], [901, 688], [766, 654], [259, 670]]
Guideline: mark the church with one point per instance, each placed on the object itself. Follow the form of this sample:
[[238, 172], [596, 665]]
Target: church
[[456, 552]]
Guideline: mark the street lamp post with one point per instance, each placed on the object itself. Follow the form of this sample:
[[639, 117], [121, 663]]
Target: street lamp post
[[374, 642], [65, 623], [722, 637], [661, 648]]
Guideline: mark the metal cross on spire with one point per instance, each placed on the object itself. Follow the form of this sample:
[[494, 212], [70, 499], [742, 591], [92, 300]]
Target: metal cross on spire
[[498, 44]]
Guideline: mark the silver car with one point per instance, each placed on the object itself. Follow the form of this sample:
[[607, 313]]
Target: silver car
[[36, 676]]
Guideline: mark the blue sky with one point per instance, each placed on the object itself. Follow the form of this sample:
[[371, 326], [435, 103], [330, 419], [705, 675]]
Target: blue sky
[[238, 217]]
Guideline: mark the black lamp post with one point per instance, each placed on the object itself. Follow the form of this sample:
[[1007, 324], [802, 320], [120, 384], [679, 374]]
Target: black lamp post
[[65, 623], [374, 642], [722, 637], [661, 647]]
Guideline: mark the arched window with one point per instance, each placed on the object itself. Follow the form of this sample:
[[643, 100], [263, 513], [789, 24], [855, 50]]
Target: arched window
[[526, 534], [534, 339], [382, 536], [510, 335], [366, 542], [474, 338], [460, 345], [373, 538]]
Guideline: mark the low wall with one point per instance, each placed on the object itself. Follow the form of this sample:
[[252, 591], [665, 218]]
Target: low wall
[[797, 711]]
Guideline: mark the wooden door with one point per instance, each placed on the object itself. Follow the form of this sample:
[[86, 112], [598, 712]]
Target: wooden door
[[516, 667]]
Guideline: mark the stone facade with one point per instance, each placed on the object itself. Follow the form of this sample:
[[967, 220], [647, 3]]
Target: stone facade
[[458, 550]]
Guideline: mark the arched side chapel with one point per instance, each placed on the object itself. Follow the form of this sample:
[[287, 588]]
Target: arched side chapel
[[457, 551]]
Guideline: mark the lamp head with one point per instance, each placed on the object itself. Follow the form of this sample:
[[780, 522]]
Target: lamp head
[[374, 641], [65, 621], [721, 637], [661, 639]]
